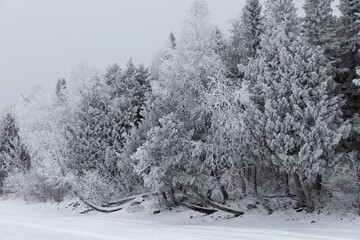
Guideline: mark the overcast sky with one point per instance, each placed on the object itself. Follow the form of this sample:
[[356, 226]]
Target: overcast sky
[[42, 40]]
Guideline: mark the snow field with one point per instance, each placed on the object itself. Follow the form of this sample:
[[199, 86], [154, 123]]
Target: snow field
[[19, 221]]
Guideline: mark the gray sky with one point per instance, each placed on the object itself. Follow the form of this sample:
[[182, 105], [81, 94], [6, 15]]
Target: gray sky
[[42, 40]]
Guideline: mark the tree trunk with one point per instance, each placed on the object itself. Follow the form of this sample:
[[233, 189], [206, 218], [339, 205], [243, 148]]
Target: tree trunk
[[309, 201], [298, 190], [243, 184], [224, 193], [164, 197], [99, 209], [317, 185], [254, 178], [286, 184], [209, 193]]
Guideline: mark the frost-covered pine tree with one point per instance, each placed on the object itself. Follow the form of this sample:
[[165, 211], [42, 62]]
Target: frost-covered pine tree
[[319, 26], [349, 28], [245, 38], [60, 87], [14, 157], [349, 34], [172, 40], [296, 119]]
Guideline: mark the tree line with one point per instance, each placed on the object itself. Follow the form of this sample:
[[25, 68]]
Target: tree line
[[272, 111]]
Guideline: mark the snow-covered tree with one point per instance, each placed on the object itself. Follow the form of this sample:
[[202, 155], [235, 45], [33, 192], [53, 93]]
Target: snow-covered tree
[[349, 28], [178, 118], [319, 26], [172, 40], [349, 34], [297, 120], [60, 87], [14, 156], [107, 112], [245, 38], [41, 120]]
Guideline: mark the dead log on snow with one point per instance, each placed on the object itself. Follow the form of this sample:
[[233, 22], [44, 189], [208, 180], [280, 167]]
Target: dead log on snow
[[118, 203], [194, 208], [206, 201], [95, 208]]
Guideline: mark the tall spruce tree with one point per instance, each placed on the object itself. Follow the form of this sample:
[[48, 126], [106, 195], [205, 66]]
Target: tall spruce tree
[[319, 26], [14, 156], [60, 87], [349, 34], [245, 38]]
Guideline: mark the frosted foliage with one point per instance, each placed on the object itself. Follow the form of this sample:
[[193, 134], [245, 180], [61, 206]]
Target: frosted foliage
[[250, 30], [14, 156], [41, 125], [244, 39], [319, 26], [281, 14], [227, 138], [81, 79], [197, 29], [187, 74], [95, 139], [166, 157], [350, 27], [300, 120]]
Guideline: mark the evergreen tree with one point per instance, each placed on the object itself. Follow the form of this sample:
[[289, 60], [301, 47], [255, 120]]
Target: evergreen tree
[[106, 114], [297, 120], [60, 86], [172, 41], [348, 31], [112, 74], [245, 38], [221, 45], [319, 26], [14, 156]]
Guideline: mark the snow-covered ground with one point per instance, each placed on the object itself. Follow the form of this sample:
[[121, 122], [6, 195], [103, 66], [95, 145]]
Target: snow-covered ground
[[22, 221]]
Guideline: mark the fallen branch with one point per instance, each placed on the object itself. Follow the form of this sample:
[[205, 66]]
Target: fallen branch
[[118, 203], [95, 208], [280, 196], [204, 200], [197, 209]]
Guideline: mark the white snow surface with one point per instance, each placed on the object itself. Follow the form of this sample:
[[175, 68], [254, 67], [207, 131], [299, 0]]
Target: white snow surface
[[50, 221]]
